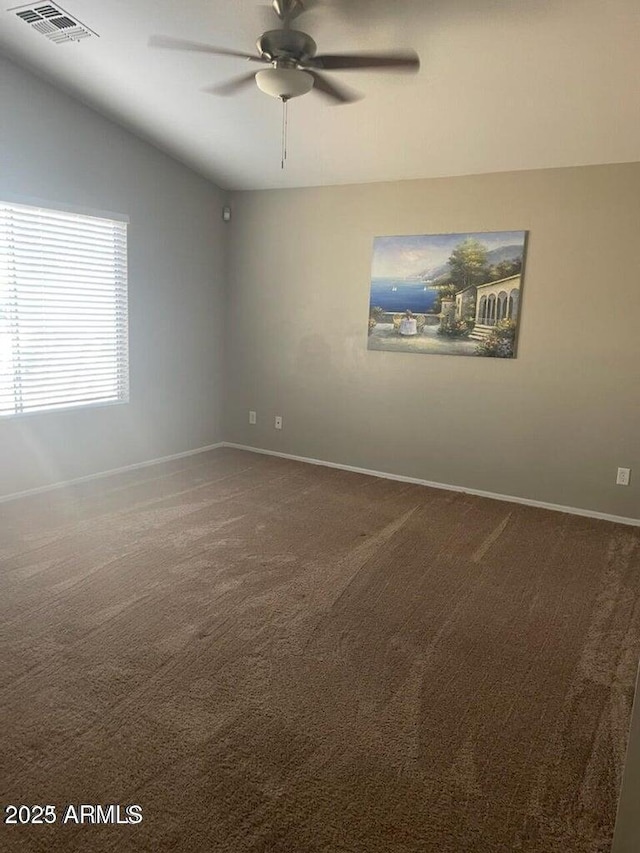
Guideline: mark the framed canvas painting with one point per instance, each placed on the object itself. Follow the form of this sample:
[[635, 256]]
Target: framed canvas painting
[[447, 294]]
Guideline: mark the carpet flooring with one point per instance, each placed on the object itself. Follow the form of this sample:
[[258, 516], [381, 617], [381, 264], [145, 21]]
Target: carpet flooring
[[268, 656]]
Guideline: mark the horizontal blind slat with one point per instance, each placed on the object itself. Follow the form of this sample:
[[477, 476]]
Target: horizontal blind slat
[[63, 359], [63, 292], [72, 343], [12, 217], [70, 349], [52, 329], [29, 246], [54, 265], [42, 406], [64, 300], [41, 373], [62, 394], [60, 391]]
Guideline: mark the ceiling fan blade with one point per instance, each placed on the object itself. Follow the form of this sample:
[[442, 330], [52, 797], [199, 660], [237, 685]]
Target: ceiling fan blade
[[183, 44], [335, 93], [231, 87], [405, 60]]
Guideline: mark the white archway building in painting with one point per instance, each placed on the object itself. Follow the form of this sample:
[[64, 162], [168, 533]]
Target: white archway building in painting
[[497, 300]]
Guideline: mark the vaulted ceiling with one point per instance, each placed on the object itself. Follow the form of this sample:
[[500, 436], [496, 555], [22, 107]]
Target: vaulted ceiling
[[503, 85]]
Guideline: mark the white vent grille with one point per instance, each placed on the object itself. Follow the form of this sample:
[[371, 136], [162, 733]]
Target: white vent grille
[[53, 22]]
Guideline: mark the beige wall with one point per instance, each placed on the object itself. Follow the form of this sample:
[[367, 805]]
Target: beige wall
[[552, 425], [55, 149]]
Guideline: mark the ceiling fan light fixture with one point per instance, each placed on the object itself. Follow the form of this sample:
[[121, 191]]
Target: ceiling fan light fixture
[[284, 83]]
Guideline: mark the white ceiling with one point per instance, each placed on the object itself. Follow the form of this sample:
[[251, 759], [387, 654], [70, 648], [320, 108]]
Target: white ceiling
[[504, 84]]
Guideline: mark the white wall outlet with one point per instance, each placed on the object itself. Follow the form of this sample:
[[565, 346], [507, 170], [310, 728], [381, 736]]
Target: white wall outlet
[[278, 423], [624, 475], [252, 417]]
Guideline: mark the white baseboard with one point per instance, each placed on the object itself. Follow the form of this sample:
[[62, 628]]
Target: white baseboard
[[40, 489], [618, 519]]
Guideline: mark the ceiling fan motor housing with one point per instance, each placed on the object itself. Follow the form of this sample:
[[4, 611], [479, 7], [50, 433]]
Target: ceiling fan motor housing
[[291, 46]]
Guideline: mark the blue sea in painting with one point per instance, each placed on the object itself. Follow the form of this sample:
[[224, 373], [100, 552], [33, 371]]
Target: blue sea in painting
[[407, 294]]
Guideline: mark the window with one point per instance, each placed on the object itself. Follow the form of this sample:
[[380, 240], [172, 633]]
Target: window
[[63, 310]]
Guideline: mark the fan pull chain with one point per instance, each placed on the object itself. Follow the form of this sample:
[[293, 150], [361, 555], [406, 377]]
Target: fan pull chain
[[285, 128]]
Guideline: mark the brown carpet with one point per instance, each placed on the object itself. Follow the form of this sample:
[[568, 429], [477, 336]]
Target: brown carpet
[[270, 656]]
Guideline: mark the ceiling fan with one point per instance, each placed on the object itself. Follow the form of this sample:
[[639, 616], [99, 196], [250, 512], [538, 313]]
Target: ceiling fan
[[295, 67]]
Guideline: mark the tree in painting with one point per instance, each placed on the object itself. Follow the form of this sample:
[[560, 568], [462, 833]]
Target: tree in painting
[[468, 264]]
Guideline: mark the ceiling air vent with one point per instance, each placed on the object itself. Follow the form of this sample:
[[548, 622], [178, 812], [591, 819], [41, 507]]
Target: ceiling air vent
[[53, 22]]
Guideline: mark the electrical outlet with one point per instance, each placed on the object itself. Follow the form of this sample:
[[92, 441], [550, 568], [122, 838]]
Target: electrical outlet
[[624, 475], [278, 423], [252, 417]]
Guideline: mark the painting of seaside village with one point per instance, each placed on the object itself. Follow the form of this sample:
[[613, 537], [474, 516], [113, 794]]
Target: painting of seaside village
[[448, 294]]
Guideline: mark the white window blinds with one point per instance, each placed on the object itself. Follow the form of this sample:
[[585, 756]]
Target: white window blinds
[[63, 310]]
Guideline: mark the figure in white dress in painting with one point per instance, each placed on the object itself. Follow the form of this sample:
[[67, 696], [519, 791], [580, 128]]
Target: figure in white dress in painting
[[408, 325]]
